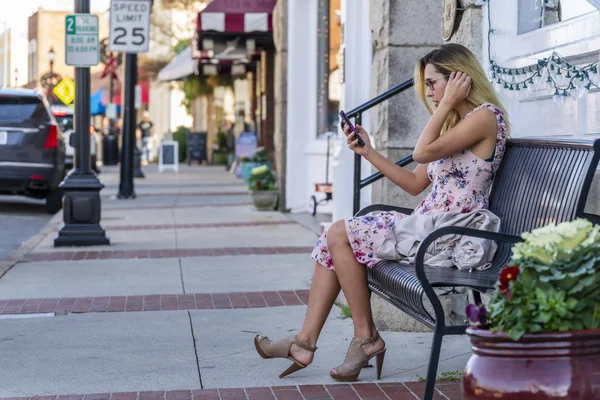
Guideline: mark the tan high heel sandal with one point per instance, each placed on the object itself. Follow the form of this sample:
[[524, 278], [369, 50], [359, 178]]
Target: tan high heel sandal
[[356, 360], [268, 348]]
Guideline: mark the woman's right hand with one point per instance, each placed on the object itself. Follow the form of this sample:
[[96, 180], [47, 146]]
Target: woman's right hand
[[352, 141]]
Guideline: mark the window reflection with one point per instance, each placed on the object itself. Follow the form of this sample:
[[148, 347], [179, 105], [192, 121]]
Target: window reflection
[[536, 14]]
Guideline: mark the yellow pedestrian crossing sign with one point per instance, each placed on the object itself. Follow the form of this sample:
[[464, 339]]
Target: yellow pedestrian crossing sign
[[65, 90]]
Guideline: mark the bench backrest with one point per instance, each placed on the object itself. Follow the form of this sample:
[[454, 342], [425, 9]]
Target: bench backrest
[[538, 183], [543, 182]]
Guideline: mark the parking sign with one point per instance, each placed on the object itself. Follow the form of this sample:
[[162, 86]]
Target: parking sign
[[81, 40], [129, 26]]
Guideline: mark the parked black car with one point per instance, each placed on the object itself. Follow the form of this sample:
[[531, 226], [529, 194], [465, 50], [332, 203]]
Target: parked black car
[[32, 147]]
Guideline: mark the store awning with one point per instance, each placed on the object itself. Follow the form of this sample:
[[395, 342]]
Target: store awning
[[183, 65], [144, 86], [237, 16], [100, 98]]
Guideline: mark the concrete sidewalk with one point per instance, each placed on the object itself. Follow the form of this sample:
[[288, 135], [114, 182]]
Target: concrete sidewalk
[[192, 274]]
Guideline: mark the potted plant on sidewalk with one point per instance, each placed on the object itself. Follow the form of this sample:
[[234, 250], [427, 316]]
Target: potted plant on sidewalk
[[263, 188], [260, 157], [540, 338]]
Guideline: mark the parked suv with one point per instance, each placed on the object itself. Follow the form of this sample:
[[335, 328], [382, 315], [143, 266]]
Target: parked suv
[[64, 119], [32, 147]]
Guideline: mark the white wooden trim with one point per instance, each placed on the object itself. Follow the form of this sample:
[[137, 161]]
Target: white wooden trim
[[575, 38]]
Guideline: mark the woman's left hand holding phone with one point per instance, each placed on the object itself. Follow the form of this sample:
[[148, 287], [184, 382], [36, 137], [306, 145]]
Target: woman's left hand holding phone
[[352, 141]]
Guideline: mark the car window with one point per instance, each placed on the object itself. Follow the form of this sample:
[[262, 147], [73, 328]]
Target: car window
[[65, 122], [22, 110]]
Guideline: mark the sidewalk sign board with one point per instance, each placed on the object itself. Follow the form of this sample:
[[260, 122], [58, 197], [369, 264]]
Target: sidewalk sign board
[[82, 47], [168, 156], [111, 111], [196, 146]]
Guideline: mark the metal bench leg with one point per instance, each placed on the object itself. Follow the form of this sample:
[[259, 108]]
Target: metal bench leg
[[434, 358]]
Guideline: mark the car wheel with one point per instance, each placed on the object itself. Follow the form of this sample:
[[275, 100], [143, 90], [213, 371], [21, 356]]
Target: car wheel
[[54, 201]]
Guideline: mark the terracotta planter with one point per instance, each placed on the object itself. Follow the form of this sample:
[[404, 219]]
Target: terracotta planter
[[264, 199], [557, 366]]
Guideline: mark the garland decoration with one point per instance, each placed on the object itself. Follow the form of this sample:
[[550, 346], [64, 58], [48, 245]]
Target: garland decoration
[[560, 77]]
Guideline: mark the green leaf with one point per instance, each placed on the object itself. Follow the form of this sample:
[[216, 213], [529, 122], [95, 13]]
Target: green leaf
[[516, 333], [536, 328], [543, 317], [541, 295], [564, 326], [582, 283]]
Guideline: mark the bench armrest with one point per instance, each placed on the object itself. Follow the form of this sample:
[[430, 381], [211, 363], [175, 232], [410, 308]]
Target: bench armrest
[[382, 207], [449, 230]]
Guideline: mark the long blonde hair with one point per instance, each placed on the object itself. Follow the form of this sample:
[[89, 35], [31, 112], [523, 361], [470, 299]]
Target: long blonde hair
[[455, 57]]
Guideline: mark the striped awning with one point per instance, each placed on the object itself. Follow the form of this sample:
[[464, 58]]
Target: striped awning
[[237, 16], [182, 66]]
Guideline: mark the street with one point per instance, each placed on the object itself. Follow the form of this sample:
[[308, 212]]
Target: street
[[20, 218]]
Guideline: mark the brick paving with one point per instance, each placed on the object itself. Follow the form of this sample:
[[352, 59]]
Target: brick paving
[[446, 390], [156, 302], [175, 194], [160, 253], [136, 207], [194, 226]]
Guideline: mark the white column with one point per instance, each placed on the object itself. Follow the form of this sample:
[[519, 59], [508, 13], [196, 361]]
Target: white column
[[301, 98], [357, 90]]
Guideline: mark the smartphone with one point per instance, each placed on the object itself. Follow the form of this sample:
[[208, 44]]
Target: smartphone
[[345, 121]]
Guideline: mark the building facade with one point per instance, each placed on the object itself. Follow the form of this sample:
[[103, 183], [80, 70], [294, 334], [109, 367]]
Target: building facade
[[381, 40], [13, 56], [46, 31], [326, 72]]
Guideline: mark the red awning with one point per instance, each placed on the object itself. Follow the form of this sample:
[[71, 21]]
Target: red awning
[[144, 85], [237, 16]]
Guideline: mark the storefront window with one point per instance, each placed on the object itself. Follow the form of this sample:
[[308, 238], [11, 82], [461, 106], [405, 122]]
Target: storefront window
[[536, 14], [329, 71]]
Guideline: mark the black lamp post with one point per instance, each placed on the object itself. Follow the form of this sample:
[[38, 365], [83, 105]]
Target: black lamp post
[[82, 203], [51, 58]]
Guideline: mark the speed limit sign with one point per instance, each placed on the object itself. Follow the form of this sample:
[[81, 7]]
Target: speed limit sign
[[129, 26]]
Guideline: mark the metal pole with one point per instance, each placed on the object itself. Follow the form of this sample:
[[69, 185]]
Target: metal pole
[[82, 120], [323, 66], [126, 188], [357, 173], [52, 82], [82, 205], [111, 95]]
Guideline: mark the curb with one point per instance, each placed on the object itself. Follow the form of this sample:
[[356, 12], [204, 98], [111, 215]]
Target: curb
[[27, 246]]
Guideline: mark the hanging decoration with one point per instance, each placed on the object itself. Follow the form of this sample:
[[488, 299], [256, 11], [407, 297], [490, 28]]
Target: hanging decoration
[[554, 73]]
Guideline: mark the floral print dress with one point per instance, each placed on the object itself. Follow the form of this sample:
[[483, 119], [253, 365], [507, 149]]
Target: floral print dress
[[460, 182]]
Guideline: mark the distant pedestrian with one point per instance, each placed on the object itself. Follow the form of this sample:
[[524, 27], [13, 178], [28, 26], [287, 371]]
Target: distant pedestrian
[[146, 130]]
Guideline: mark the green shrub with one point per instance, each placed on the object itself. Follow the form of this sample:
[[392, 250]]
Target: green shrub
[[262, 178], [260, 155], [180, 136], [552, 284]]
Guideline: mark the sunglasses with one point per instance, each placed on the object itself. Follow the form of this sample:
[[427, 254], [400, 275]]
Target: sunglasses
[[429, 82]]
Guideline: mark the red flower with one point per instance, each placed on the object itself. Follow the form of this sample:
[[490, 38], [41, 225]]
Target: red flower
[[508, 274]]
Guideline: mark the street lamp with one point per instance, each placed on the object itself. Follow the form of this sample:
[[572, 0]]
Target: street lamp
[[51, 58], [16, 74]]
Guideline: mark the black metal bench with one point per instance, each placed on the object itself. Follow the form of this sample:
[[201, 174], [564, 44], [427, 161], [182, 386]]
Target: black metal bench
[[538, 183]]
